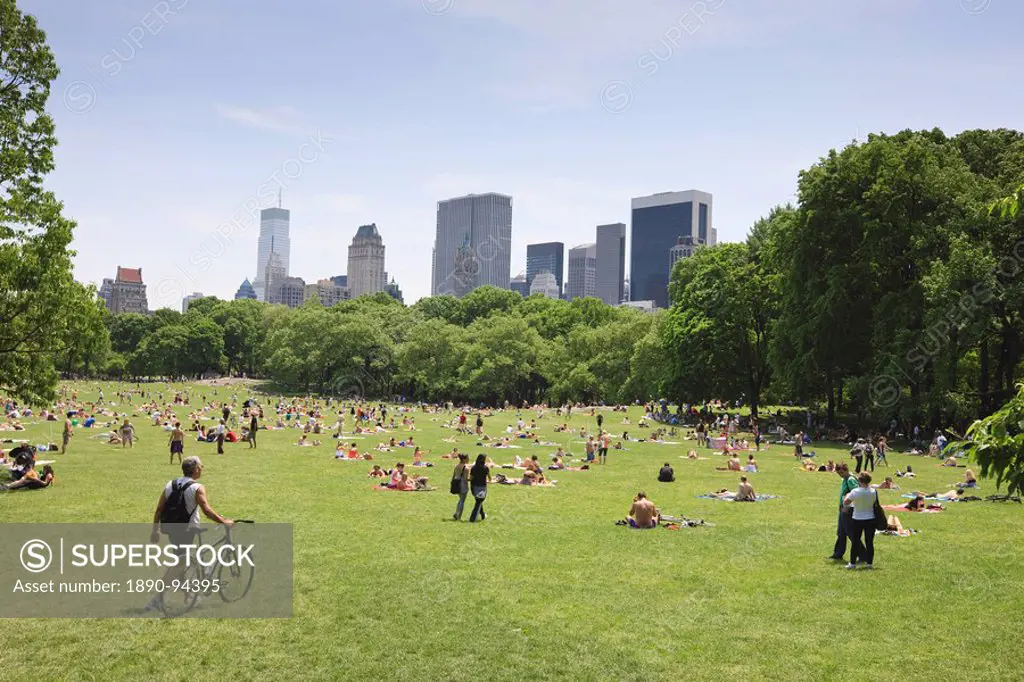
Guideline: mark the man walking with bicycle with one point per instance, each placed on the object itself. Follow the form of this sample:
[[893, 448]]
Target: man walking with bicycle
[[177, 516]]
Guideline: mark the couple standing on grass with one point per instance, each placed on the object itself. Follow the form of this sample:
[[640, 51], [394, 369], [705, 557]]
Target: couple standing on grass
[[466, 479], [858, 516]]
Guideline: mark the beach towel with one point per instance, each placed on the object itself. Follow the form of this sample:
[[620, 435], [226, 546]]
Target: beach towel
[[760, 498], [902, 508], [421, 490]]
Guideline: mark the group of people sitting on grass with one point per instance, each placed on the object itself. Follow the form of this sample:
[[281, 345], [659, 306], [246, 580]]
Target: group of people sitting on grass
[[21, 464]]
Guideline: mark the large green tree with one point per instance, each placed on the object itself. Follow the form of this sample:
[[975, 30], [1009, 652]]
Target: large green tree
[[44, 314]]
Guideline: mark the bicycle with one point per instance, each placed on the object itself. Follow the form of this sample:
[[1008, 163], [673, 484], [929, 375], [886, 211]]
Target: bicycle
[[227, 580]]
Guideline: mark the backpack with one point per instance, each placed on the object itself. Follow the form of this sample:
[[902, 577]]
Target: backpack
[[175, 508]]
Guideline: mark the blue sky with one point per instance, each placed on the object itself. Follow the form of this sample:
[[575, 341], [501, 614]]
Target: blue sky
[[174, 116]]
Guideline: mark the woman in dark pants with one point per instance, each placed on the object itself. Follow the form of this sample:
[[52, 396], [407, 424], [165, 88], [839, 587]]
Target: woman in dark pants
[[862, 500], [479, 476], [460, 482]]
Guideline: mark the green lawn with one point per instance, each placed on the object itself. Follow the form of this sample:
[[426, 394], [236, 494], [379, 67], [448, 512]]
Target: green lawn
[[548, 587]]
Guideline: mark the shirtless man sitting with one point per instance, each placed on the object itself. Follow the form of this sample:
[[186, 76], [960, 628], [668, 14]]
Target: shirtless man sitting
[[643, 513], [746, 491], [732, 465]]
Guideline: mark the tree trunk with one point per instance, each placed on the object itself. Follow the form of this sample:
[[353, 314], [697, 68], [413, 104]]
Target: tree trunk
[[983, 385], [831, 416]]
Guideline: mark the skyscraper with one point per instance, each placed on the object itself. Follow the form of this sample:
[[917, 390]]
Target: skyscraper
[[611, 263], [473, 243], [582, 271], [659, 221], [547, 257], [366, 262], [274, 235]]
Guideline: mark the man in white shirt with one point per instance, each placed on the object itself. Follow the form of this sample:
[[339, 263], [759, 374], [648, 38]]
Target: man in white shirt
[[220, 431]]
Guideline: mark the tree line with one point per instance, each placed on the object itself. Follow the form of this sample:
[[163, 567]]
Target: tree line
[[892, 288]]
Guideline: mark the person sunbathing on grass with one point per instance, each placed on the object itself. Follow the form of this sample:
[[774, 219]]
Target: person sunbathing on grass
[[948, 496], [692, 454], [751, 465], [397, 477], [887, 484], [643, 514], [556, 464], [529, 478], [909, 473], [417, 459], [745, 493], [732, 465], [916, 504], [33, 481], [970, 480], [376, 472], [950, 462]]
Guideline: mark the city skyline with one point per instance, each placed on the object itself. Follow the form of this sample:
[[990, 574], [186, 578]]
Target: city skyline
[[600, 95]]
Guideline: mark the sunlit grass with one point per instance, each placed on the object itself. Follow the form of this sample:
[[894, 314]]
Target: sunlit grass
[[548, 587]]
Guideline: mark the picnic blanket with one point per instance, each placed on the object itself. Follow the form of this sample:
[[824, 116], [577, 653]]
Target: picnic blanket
[[760, 498], [903, 507], [420, 490]]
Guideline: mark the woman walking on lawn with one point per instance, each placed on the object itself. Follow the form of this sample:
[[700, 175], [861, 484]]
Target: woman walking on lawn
[[479, 476], [862, 501], [460, 484]]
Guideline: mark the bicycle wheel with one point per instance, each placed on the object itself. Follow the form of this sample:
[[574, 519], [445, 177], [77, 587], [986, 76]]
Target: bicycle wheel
[[177, 603], [235, 581]]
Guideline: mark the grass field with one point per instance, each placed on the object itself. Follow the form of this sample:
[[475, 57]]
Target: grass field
[[548, 587]]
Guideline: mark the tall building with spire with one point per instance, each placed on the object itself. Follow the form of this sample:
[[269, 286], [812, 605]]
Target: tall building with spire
[[366, 262], [275, 228]]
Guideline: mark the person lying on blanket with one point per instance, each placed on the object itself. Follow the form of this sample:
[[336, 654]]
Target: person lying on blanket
[[751, 465], [745, 493], [887, 484], [376, 472], [529, 478], [33, 481], [950, 462], [643, 513], [400, 480], [915, 505], [948, 496]]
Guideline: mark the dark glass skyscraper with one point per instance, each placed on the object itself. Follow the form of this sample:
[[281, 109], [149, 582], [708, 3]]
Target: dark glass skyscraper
[[658, 223], [547, 257]]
